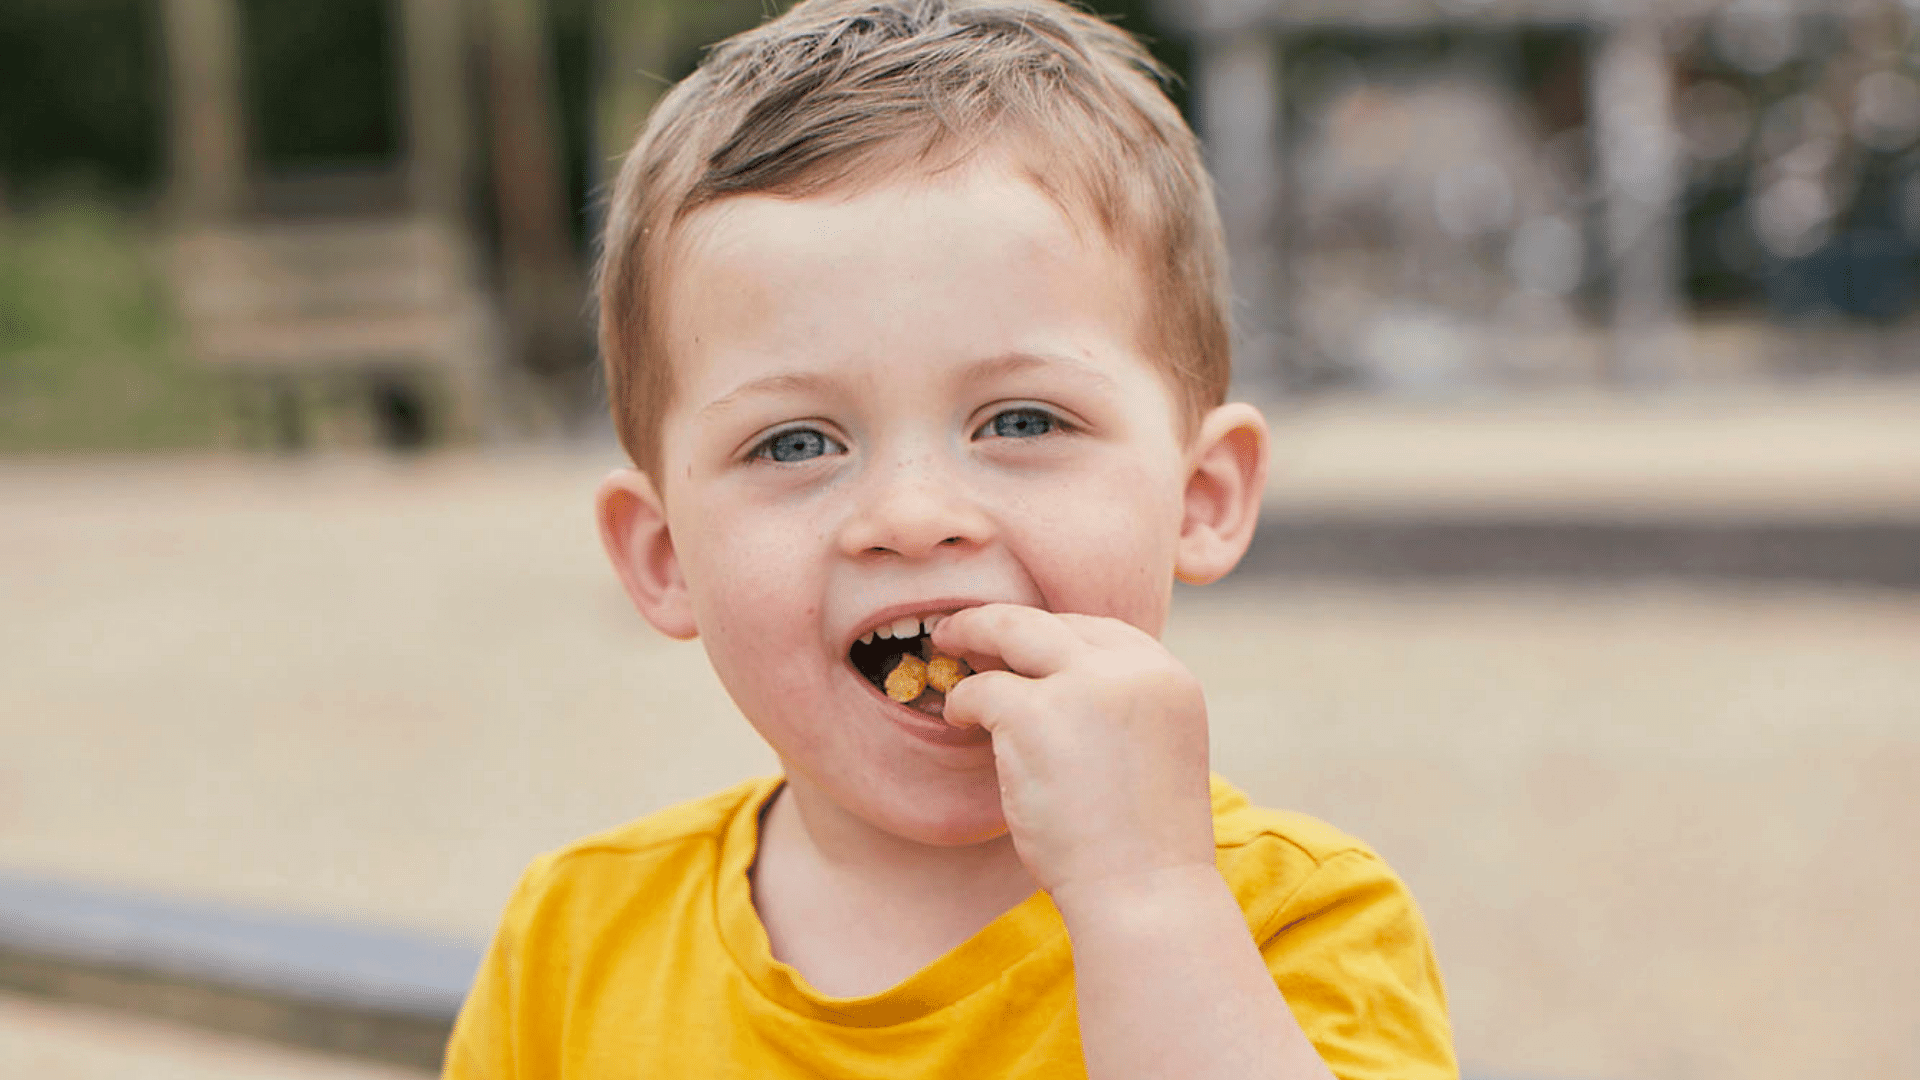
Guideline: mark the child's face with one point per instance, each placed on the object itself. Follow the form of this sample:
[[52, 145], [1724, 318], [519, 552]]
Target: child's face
[[892, 405]]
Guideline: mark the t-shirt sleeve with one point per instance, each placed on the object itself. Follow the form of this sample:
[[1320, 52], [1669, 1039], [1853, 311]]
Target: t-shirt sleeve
[[482, 1045], [1351, 955]]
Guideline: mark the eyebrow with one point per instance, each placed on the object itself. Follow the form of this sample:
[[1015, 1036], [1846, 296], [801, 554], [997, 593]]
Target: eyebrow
[[791, 382], [985, 370], [1016, 363]]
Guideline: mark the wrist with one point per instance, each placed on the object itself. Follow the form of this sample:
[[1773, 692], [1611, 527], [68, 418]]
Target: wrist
[[1142, 897]]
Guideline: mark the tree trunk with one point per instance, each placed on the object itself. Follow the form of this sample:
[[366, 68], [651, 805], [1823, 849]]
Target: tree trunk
[[543, 283], [207, 141], [439, 125]]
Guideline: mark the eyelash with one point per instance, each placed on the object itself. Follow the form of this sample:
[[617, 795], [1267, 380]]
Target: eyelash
[[1053, 419], [763, 450]]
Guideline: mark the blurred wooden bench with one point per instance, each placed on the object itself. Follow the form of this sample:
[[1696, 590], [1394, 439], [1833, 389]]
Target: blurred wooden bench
[[344, 331]]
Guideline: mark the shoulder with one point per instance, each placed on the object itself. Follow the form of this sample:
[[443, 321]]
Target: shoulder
[[1284, 866], [699, 821], [1343, 938], [1238, 823], [613, 902], [680, 843]]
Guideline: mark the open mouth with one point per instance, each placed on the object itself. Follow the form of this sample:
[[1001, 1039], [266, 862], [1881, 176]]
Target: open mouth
[[899, 659]]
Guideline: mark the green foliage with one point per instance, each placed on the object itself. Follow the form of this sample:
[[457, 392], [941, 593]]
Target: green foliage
[[89, 354], [321, 82], [80, 94]]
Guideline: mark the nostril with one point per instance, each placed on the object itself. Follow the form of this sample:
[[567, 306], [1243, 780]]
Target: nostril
[[950, 541]]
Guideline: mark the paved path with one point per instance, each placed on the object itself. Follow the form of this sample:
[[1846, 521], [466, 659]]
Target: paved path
[[42, 1041], [1660, 834], [1815, 453]]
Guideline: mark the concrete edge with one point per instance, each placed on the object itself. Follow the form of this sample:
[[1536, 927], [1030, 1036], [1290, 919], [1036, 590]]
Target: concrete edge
[[1877, 554], [338, 988], [369, 1033]]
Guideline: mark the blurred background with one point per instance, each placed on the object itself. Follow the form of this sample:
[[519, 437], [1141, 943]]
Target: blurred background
[[1588, 588]]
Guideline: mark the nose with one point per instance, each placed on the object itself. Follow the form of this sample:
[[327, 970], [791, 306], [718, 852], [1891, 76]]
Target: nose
[[913, 507]]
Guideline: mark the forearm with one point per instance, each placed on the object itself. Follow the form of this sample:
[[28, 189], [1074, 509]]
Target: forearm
[[1170, 984]]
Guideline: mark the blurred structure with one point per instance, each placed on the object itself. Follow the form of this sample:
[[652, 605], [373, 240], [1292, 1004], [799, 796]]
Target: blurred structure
[[1437, 196], [368, 278], [331, 284]]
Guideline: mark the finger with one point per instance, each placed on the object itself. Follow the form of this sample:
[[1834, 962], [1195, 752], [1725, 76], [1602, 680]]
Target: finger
[[986, 699], [1029, 641]]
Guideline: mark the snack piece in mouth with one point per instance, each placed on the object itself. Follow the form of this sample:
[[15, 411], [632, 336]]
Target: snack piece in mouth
[[908, 679], [945, 672], [881, 657]]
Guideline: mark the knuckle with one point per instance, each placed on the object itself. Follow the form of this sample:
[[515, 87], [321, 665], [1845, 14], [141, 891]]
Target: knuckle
[[1171, 681]]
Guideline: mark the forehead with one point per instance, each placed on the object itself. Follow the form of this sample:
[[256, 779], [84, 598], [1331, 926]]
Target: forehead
[[904, 276]]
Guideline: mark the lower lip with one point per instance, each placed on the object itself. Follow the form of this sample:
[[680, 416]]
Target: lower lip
[[929, 728]]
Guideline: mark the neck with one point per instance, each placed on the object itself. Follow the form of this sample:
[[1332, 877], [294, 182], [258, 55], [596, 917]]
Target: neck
[[968, 880], [856, 910]]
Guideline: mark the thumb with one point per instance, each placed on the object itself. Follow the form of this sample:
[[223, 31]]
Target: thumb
[[985, 699]]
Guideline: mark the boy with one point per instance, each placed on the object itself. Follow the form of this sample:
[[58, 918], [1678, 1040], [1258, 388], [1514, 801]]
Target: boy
[[914, 315]]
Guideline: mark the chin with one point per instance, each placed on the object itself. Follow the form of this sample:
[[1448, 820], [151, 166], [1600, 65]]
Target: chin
[[953, 813], [955, 830]]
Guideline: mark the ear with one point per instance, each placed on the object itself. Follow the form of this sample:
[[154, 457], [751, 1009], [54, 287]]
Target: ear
[[1227, 474], [633, 527]]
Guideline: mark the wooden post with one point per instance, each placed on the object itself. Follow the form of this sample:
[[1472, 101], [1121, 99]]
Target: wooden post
[[1237, 97], [208, 131], [1638, 147], [544, 287], [528, 175], [438, 123]]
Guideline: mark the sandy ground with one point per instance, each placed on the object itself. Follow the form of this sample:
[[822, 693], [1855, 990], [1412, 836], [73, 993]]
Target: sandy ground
[[1659, 834]]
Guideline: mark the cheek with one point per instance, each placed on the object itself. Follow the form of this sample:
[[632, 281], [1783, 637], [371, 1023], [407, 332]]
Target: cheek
[[1105, 544], [757, 595], [747, 566], [766, 666], [757, 622]]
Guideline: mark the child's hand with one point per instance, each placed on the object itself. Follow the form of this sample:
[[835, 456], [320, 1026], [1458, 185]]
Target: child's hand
[[1100, 737]]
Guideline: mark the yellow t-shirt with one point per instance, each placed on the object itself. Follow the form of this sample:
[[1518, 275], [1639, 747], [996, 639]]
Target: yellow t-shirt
[[638, 953]]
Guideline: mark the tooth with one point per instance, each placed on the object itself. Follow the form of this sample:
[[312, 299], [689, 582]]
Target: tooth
[[933, 621], [866, 638], [884, 631], [906, 627]]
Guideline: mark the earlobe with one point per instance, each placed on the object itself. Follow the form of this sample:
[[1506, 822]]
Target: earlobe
[[1225, 480], [633, 528]]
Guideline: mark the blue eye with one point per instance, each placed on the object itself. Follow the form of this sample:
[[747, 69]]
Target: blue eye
[[796, 444], [1019, 423]]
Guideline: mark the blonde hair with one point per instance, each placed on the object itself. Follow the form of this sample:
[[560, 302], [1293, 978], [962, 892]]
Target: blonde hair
[[837, 94]]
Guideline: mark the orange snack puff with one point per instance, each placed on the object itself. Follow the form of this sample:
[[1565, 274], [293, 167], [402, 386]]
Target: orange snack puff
[[908, 679], [945, 672]]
